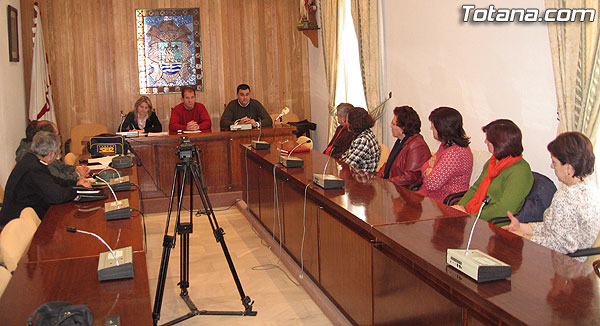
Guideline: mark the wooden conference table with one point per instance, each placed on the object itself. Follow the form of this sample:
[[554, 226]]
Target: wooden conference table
[[219, 156], [62, 266], [378, 252]]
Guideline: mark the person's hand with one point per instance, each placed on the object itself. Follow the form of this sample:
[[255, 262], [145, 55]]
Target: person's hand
[[514, 226], [84, 182], [460, 208], [252, 122], [244, 120], [431, 161], [82, 170], [192, 125]]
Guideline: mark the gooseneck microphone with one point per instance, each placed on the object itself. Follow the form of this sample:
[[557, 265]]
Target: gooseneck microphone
[[119, 209], [122, 121], [328, 181], [302, 143], [260, 144], [284, 111], [74, 230], [291, 161], [485, 201], [477, 264]]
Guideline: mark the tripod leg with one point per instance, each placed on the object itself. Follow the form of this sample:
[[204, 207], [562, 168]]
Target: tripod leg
[[219, 236], [168, 243]]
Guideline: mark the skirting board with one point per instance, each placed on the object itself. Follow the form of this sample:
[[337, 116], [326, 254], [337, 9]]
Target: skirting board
[[329, 308]]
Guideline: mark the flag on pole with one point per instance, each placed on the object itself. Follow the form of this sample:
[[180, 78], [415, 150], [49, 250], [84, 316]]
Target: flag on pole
[[40, 97]]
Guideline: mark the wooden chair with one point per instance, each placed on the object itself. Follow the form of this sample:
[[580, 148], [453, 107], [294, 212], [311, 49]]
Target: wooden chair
[[303, 139], [28, 214], [84, 130], [5, 276], [290, 117], [14, 240], [385, 153]]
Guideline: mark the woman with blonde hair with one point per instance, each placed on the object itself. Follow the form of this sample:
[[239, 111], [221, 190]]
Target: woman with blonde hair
[[142, 118]]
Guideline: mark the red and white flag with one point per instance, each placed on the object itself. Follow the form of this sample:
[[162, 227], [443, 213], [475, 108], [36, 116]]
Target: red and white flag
[[40, 97]]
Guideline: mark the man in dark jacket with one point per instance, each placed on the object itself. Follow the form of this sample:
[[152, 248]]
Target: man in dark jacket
[[31, 184]]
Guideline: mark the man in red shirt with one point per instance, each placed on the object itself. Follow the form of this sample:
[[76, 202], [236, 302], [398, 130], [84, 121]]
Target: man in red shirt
[[189, 114]]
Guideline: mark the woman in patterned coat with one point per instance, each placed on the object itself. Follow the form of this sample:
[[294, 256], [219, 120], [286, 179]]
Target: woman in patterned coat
[[364, 150], [448, 171], [572, 221]]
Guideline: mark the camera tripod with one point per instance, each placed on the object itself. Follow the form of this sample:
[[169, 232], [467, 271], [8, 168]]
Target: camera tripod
[[189, 169]]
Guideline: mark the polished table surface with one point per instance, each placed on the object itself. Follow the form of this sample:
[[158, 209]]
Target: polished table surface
[[62, 266], [546, 287], [76, 281]]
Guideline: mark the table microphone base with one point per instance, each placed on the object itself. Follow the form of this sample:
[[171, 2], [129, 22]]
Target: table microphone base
[[120, 184], [328, 181], [291, 162], [478, 265], [109, 270], [117, 211], [260, 144]]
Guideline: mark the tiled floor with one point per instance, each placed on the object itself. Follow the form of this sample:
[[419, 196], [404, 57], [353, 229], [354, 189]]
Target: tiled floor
[[277, 299]]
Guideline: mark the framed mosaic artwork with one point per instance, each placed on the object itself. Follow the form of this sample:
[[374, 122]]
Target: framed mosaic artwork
[[169, 50]]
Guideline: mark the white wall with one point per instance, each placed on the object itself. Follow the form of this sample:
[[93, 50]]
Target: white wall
[[13, 116], [485, 70]]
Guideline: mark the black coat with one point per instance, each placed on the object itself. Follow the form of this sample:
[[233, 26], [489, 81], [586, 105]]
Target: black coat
[[152, 123]]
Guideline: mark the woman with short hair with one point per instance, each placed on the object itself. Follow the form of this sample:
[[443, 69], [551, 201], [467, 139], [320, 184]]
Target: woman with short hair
[[142, 118], [448, 171], [506, 178], [342, 137], [364, 151], [572, 221], [410, 151]]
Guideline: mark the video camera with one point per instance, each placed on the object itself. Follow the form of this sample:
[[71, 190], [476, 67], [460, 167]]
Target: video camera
[[186, 149]]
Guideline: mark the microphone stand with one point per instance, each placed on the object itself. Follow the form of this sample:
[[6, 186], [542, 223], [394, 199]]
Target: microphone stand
[[293, 162], [258, 144]]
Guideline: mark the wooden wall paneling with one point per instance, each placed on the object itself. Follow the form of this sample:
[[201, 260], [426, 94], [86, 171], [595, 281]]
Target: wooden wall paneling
[[254, 184], [92, 56], [345, 263], [268, 214], [401, 298], [294, 222]]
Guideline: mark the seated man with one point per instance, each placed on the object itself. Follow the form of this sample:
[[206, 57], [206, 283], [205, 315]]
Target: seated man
[[57, 168], [31, 184], [189, 114], [246, 110]]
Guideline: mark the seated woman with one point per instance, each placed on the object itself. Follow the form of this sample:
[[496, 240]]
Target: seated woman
[[410, 151], [506, 177], [142, 118], [31, 184], [364, 150], [449, 170], [342, 138], [572, 221]]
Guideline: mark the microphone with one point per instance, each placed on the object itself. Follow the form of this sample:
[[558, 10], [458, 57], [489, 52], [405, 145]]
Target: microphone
[[120, 183], [119, 267], [122, 121], [476, 264], [293, 162], [485, 201], [284, 111], [328, 181], [119, 209], [260, 144]]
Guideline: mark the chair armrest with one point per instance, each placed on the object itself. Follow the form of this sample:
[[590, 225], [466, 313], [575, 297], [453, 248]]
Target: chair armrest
[[68, 146], [499, 220], [452, 199], [415, 186], [585, 252]]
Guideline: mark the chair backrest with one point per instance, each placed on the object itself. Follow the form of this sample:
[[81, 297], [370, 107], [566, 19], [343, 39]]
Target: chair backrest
[[538, 199], [290, 117], [28, 214], [590, 260], [80, 131], [303, 139], [479, 160], [385, 153], [14, 240], [5, 276]]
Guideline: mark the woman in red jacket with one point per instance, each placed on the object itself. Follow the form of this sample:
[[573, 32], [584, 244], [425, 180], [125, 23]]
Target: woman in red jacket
[[410, 151]]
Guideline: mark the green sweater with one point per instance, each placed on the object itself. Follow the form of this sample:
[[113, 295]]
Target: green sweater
[[507, 190]]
